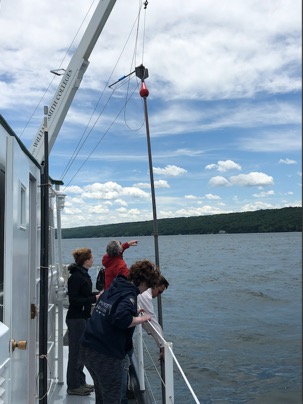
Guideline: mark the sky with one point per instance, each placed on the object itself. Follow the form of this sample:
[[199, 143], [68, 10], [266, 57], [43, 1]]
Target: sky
[[224, 104]]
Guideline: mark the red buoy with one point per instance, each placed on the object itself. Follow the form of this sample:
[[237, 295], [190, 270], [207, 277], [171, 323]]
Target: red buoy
[[144, 91]]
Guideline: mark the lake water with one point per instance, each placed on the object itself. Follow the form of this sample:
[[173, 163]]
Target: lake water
[[233, 311]]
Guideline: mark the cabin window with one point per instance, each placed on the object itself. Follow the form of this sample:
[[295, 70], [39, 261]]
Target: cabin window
[[22, 206]]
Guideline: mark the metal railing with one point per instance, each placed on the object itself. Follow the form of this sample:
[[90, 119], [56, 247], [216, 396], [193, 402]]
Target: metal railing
[[169, 363]]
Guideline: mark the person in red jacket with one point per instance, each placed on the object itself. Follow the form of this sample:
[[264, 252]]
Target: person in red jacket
[[113, 260]]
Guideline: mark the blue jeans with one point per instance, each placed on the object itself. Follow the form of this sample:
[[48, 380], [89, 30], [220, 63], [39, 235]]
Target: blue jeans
[[75, 377]]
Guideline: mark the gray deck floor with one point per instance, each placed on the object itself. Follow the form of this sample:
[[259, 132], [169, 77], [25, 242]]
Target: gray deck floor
[[60, 395]]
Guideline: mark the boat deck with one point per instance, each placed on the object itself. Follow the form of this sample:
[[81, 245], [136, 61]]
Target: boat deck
[[61, 397]]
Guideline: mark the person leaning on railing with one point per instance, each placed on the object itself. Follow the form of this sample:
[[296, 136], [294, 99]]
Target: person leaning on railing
[[108, 335], [145, 302]]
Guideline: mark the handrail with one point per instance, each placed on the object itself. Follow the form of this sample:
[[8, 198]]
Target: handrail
[[183, 375], [168, 365]]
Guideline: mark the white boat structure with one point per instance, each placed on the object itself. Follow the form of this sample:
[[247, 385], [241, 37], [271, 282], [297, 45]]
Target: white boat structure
[[32, 355]]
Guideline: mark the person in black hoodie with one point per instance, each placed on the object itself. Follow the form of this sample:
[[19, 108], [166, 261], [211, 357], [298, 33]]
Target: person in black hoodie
[[81, 298], [108, 334]]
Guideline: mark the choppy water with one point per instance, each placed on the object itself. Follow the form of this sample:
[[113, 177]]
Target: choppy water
[[233, 311]]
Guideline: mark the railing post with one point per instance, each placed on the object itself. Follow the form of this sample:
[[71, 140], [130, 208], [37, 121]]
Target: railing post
[[60, 296], [169, 372], [140, 358]]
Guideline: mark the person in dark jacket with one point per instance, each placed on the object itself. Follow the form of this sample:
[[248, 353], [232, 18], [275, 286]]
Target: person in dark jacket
[[81, 298], [108, 334]]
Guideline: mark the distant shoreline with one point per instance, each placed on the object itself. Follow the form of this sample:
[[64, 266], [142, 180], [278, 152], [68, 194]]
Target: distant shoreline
[[261, 221]]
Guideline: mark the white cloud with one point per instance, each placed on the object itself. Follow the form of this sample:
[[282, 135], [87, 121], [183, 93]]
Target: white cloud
[[218, 181], [212, 197], [73, 190], [190, 197], [264, 194], [287, 161], [98, 209], [142, 185], [194, 211], [211, 166], [157, 184], [120, 202], [224, 166], [122, 210], [134, 212], [74, 200], [135, 192], [276, 140], [244, 43], [111, 190], [246, 180], [72, 211], [170, 170], [161, 184], [252, 179], [256, 206]]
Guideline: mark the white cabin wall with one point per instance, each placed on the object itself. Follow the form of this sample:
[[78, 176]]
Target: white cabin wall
[[20, 224], [4, 330], [3, 136], [21, 261]]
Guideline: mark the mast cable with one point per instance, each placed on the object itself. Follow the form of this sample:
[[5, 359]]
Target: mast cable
[[83, 140], [79, 146], [133, 63], [105, 133]]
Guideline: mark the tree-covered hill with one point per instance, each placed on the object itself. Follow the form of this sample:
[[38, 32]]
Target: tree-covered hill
[[261, 221]]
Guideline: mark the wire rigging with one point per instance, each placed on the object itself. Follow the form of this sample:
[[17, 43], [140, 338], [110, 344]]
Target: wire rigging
[[81, 142], [88, 131], [134, 63], [105, 133]]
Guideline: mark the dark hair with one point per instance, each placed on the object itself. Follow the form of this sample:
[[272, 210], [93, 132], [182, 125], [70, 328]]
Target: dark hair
[[163, 281], [144, 271], [114, 248], [81, 255]]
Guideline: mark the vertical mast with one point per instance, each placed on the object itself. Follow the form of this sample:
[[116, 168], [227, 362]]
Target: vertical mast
[[142, 73]]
